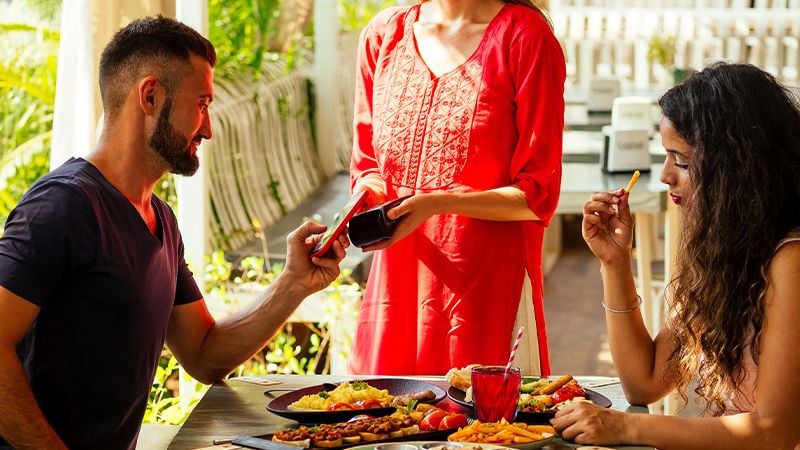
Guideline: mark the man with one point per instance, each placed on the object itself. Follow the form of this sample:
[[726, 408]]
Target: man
[[92, 274]]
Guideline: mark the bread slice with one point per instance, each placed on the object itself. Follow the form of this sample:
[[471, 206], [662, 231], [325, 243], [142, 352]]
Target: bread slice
[[324, 443], [461, 379], [367, 436], [305, 443]]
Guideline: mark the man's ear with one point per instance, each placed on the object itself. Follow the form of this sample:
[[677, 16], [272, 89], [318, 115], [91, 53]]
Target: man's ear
[[149, 91]]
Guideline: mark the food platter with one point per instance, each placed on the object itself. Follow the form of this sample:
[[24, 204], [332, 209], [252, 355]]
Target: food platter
[[395, 386], [445, 445], [412, 439], [595, 397]]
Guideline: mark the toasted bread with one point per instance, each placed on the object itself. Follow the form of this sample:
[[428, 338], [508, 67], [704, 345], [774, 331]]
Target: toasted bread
[[367, 436], [325, 443], [304, 443]]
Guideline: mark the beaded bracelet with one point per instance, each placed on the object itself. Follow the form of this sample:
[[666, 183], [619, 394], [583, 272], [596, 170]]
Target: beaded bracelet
[[623, 311]]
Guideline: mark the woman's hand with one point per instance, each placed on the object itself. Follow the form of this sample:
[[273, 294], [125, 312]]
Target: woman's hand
[[312, 273], [608, 225], [586, 423], [412, 212], [375, 195]]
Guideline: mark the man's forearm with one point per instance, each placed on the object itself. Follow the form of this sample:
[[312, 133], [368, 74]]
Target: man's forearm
[[236, 338], [22, 423]]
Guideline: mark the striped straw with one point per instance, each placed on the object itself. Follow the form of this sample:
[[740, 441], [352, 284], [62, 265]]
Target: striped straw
[[514, 350]]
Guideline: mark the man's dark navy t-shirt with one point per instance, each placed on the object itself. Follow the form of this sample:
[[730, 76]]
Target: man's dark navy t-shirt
[[77, 248]]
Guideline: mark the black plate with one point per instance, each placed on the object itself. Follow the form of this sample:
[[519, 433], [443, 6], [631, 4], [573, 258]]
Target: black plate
[[595, 397], [395, 386], [434, 435]]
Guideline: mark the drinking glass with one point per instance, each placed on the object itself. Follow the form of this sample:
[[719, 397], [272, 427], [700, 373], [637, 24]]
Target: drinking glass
[[495, 394]]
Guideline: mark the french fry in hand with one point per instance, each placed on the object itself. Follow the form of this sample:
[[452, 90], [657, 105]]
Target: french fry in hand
[[633, 181]]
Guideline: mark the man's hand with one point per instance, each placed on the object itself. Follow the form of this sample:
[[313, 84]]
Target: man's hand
[[312, 273], [375, 193]]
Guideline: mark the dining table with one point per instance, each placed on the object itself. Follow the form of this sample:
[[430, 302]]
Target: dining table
[[234, 408]]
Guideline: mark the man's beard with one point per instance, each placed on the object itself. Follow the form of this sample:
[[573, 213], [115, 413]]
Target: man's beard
[[171, 146]]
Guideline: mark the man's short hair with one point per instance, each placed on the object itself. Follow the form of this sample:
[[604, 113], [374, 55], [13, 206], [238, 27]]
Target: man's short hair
[[160, 46]]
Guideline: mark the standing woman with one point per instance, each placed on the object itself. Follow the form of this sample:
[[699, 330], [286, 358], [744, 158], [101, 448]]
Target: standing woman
[[732, 137], [460, 104]]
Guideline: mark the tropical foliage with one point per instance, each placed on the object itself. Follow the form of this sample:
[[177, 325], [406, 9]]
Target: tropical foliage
[[27, 95], [354, 14]]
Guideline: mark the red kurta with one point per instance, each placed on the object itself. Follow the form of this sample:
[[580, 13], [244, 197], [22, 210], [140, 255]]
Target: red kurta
[[447, 295]]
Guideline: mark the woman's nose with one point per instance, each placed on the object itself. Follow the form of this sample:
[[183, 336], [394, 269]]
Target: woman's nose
[[666, 177]]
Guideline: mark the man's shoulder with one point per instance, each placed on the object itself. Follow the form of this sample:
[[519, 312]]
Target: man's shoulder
[[66, 180], [81, 178], [72, 175], [66, 191]]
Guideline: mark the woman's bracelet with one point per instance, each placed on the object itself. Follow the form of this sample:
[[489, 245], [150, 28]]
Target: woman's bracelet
[[623, 311]]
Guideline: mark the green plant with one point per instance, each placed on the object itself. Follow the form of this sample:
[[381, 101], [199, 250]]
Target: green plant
[[28, 70], [354, 15], [341, 303], [232, 284], [245, 34], [164, 406], [18, 177], [661, 50], [165, 190], [28, 67]]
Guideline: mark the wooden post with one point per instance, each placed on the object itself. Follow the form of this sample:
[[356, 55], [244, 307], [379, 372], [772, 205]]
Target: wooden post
[[193, 200], [326, 30], [192, 191], [75, 116]]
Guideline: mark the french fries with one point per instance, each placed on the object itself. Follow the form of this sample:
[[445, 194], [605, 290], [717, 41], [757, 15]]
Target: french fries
[[633, 181], [553, 386], [501, 433]]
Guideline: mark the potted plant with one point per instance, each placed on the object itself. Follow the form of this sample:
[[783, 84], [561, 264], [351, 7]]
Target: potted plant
[[661, 50]]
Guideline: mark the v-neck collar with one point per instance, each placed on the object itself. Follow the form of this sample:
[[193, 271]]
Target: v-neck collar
[[409, 25], [95, 173]]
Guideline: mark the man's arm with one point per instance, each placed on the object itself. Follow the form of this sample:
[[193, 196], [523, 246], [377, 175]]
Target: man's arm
[[22, 423], [210, 349]]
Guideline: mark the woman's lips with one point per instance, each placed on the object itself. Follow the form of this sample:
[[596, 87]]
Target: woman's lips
[[675, 198]]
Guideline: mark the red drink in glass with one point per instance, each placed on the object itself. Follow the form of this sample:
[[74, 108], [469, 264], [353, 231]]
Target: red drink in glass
[[495, 395]]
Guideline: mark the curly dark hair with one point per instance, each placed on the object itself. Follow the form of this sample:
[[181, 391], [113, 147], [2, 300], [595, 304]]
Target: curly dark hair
[[744, 128], [157, 45]]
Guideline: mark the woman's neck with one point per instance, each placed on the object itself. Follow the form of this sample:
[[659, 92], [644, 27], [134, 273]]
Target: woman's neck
[[449, 11]]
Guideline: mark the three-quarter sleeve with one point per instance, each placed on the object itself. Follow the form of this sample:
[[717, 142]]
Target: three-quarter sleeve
[[363, 164], [537, 65]]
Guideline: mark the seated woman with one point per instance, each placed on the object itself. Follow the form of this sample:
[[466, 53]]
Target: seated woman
[[732, 137]]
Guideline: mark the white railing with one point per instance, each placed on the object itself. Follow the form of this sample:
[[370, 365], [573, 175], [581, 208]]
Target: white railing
[[262, 159], [614, 40], [700, 4]]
